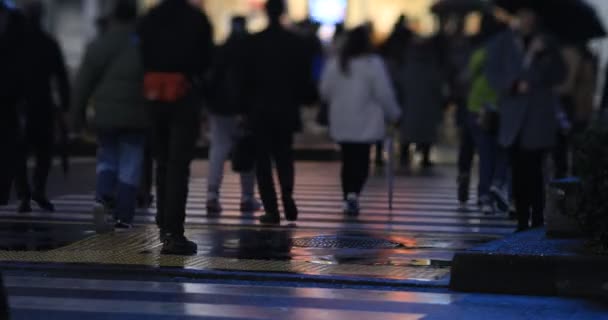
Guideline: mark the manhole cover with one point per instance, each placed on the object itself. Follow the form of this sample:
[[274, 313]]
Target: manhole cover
[[339, 242]]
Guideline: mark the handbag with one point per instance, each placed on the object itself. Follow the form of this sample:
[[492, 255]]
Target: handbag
[[165, 86]]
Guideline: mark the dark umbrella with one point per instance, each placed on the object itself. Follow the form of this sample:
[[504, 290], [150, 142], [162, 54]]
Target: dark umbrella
[[570, 20], [458, 6]]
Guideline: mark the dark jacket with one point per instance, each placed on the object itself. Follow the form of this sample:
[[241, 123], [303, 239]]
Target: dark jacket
[[526, 120], [12, 62], [111, 78], [225, 90], [176, 37], [276, 77], [45, 66]]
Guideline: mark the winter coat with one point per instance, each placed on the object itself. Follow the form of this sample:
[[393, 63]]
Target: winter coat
[[176, 37], [111, 78], [421, 85], [526, 120], [42, 71], [276, 75], [361, 101]]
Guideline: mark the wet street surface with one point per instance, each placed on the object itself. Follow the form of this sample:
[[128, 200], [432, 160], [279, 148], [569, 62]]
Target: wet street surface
[[56, 266]]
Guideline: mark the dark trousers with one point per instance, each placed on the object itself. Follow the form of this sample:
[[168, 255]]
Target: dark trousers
[[561, 155], [466, 151], [147, 175], [528, 186], [176, 129], [38, 140], [8, 144], [274, 146], [423, 148], [355, 167]]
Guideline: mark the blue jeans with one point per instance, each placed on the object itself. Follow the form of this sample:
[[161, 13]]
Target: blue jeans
[[493, 159], [119, 162]]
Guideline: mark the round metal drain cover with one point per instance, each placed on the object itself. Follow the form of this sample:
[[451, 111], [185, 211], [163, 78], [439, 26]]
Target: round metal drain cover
[[345, 242]]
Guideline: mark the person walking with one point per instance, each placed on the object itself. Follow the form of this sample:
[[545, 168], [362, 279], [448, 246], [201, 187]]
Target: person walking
[[41, 112], [361, 101], [524, 66], [176, 44], [276, 74], [420, 84], [225, 106], [13, 36], [111, 77], [483, 125]]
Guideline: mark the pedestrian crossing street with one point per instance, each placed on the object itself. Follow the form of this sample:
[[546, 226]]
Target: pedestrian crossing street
[[422, 204]]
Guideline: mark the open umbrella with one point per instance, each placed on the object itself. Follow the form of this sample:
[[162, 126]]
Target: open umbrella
[[570, 20], [457, 6]]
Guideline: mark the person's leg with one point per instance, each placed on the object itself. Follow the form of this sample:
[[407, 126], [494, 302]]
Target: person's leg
[[284, 158], [360, 166], [425, 149], [22, 184], [380, 153], [560, 157], [520, 165], [8, 141], [346, 173], [184, 131], [107, 166], [144, 197], [405, 154], [42, 143], [222, 131], [131, 153], [537, 188], [160, 145], [484, 145], [466, 155], [265, 179]]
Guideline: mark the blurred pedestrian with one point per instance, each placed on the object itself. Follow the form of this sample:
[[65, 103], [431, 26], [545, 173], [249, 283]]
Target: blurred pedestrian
[[111, 77], [576, 98], [455, 48], [524, 66], [420, 86], [362, 100], [12, 92], [225, 107], [276, 76], [41, 111], [483, 124], [177, 47]]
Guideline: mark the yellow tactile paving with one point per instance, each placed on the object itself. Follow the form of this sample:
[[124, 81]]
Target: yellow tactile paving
[[141, 247]]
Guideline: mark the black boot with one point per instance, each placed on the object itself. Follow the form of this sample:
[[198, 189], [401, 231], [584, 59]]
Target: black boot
[[271, 218], [178, 245]]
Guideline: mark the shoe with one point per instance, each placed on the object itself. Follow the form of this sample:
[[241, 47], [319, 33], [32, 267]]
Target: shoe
[[122, 226], [214, 207], [178, 245], [44, 204], [251, 205], [512, 211], [501, 198], [24, 207], [291, 210], [270, 219], [487, 209], [351, 206]]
